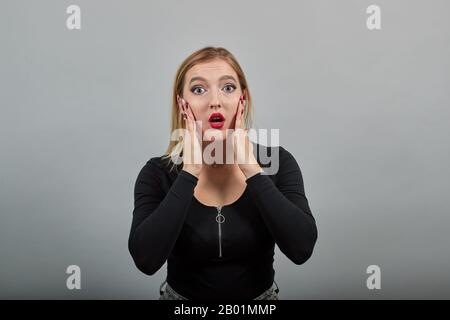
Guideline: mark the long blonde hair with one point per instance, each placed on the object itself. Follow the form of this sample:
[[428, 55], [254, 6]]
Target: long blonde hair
[[175, 148]]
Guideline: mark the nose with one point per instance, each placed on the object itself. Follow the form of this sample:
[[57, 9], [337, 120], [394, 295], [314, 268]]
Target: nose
[[215, 101]]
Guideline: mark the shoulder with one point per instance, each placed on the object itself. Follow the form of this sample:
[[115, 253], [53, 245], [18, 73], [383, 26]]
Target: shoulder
[[160, 167], [158, 162]]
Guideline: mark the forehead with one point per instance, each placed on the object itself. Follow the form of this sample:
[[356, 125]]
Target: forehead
[[211, 70]]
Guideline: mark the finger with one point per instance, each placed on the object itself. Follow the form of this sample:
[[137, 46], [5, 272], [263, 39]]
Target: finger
[[236, 114], [186, 109], [195, 129], [187, 123], [188, 133], [239, 118], [188, 117], [180, 103], [183, 106], [180, 107], [191, 112], [243, 114], [183, 115], [244, 104], [183, 109]]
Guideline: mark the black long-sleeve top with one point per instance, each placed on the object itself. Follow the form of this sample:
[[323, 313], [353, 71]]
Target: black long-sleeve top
[[226, 257]]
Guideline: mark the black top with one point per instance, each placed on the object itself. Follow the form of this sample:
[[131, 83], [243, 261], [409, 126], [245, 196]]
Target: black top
[[228, 256]]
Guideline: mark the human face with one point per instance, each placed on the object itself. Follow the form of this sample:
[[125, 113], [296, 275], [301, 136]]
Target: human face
[[213, 87]]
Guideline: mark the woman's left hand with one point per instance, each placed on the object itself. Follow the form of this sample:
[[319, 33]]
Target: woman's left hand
[[243, 148]]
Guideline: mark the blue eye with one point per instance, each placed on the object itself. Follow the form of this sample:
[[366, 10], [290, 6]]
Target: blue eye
[[232, 86], [194, 90]]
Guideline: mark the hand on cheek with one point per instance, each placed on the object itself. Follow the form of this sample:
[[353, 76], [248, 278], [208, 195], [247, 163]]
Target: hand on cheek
[[243, 148]]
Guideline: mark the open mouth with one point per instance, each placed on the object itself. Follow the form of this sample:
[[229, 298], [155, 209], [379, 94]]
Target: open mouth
[[216, 120]]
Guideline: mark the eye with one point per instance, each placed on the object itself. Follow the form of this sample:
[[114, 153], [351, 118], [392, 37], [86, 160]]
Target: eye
[[195, 91], [232, 86]]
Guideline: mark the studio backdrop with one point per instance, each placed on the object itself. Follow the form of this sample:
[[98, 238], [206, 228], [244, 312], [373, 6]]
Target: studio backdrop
[[359, 91]]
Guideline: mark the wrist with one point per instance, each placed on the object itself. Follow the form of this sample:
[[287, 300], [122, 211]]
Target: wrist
[[251, 170]]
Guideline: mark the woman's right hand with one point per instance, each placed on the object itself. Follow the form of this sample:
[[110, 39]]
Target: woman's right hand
[[192, 150]]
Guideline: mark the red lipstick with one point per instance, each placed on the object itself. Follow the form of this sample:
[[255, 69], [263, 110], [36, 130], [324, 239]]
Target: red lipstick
[[216, 120]]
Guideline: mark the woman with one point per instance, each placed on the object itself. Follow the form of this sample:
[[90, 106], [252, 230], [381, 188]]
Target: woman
[[216, 222]]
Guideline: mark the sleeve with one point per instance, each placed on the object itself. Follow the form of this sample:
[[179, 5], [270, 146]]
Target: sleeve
[[157, 217], [285, 209]]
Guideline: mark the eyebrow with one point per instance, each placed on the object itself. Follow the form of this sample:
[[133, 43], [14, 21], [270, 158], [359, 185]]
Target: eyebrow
[[220, 79]]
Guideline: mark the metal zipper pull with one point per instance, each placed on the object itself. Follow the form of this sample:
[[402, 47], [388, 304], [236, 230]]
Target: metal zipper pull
[[220, 219]]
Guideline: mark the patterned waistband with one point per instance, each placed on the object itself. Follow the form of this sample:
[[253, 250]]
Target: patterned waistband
[[170, 294]]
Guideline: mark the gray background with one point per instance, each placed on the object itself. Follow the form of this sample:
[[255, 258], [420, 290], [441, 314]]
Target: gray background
[[365, 113]]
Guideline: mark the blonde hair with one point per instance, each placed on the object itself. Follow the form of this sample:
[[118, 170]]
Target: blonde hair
[[175, 148]]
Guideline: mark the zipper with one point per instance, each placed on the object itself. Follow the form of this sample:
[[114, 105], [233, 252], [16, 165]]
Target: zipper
[[220, 219]]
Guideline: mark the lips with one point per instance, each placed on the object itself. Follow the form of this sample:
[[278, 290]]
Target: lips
[[216, 120]]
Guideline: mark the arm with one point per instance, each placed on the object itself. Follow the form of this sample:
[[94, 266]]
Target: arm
[[157, 217], [285, 210]]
